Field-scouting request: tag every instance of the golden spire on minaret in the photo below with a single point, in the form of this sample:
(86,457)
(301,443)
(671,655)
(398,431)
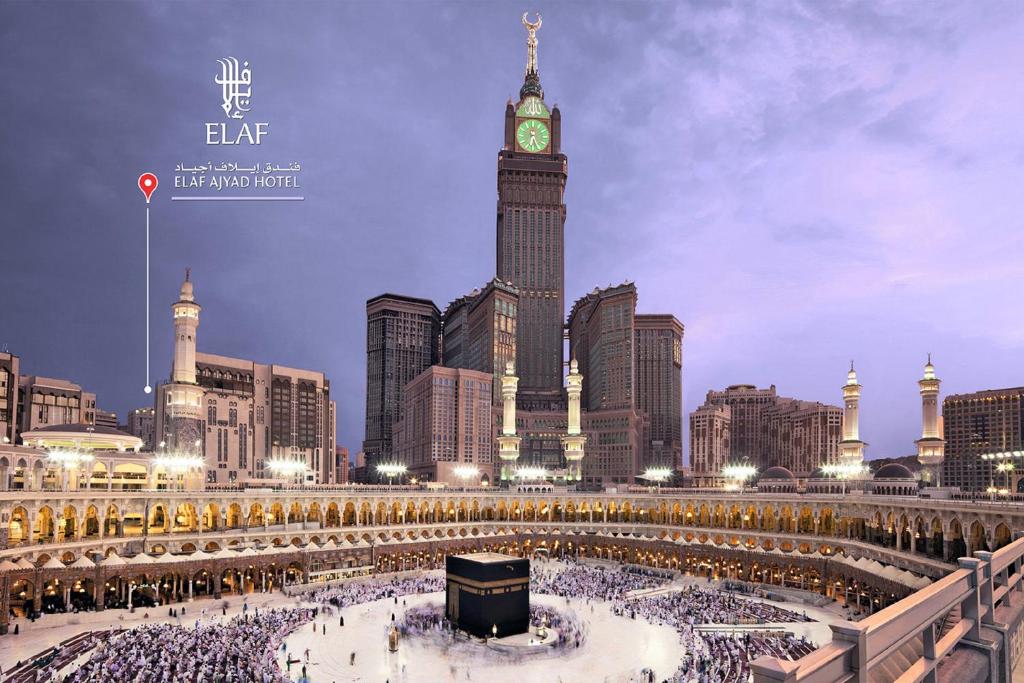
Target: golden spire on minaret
(531,43)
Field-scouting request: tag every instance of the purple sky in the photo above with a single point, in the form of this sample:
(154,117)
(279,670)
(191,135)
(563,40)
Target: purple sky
(799,183)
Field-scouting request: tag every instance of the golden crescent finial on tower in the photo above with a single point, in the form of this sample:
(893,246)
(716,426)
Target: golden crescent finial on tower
(531,42)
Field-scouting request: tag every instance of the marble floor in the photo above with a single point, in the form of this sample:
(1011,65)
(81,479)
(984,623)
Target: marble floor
(615,650)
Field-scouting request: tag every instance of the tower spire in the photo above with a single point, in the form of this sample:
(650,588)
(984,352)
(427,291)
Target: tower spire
(531,83)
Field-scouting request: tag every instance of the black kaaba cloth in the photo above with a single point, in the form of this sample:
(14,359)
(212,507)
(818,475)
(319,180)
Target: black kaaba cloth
(486,590)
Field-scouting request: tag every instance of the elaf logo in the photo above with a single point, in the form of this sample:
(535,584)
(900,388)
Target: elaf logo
(236,98)
(235,81)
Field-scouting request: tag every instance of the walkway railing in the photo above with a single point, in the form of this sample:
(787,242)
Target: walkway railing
(903,642)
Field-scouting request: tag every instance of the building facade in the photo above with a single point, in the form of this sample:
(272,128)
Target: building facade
(979,424)
(239,415)
(446,423)
(105,418)
(402,340)
(532,173)
(478,331)
(10,366)
(141,423)
(658,363)
(801,435)
(710,442)
(341,465)
(764,430)
(46,401)
(601,336)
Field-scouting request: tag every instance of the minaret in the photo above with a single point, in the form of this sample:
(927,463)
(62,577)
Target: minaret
(851,448)
(508,442)
(179,403)
(574,440)
(931,447)
(186,322)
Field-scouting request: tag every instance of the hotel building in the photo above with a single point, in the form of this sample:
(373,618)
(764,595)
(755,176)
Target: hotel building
(240,415)
(977,424)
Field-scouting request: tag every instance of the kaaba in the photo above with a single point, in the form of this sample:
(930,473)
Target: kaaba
(487,590)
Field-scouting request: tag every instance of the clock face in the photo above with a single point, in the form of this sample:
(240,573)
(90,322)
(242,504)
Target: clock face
(533,135)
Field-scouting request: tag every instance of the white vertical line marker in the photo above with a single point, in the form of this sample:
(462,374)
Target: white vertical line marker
(149,388)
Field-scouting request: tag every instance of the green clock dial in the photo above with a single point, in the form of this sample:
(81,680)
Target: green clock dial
(533,135)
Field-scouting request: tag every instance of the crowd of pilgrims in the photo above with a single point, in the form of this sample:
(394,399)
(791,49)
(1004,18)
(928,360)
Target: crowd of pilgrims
(371,591)
(710,656)
(240,650)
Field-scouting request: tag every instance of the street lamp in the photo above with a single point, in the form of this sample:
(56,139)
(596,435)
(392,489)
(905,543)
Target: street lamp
(287,467)
(531,473)
(466,472)
(657,474)
(1006,468)
(69,461)
(178,466)
(391,470)
(739,474)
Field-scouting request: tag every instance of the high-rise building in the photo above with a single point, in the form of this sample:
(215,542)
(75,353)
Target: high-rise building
(9,381)
(658,348)
(341,465)
(242,416)
(765,430)
(710,444)
(478,331)
(446,424)
(747,403)
(983,423)
(614,446)
(532,172)
(601,336)
(519,316)
(801,435)
(141,422)
(402,340)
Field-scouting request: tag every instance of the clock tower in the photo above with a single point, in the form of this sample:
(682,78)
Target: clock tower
(531,233)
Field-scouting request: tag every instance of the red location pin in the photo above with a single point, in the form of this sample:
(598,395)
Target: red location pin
(147,183)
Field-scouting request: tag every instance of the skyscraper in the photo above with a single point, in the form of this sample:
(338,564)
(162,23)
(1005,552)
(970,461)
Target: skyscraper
(982,423)
(402,340)
(658,349)
(601,339)
(532,173)
(478,331)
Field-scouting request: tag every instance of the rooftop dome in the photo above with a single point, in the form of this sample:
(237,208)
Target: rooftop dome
(82,429)
(777,472)
(894,470)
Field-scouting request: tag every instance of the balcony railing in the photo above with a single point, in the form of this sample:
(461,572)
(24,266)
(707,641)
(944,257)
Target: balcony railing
(905,642)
